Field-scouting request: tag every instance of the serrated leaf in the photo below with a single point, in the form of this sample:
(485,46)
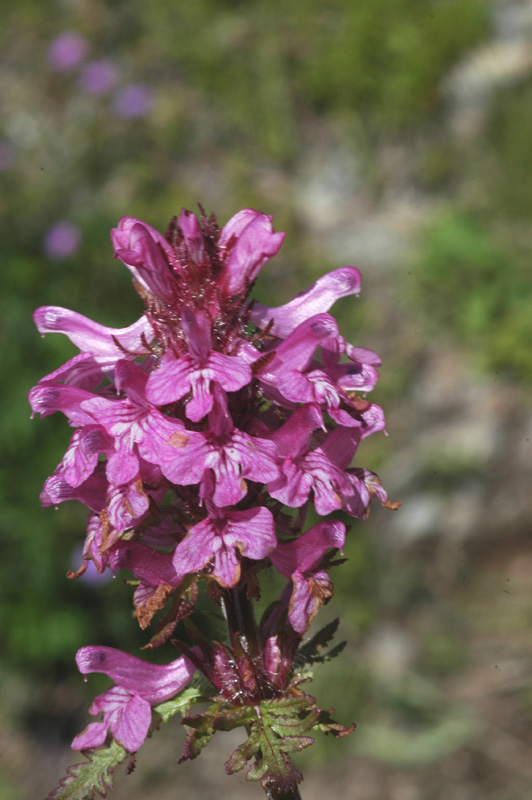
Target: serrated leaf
(326,724)
(197,738)
(181,703)
(310,652)
(277,730)
(323,659)
(82,781)
(218,717)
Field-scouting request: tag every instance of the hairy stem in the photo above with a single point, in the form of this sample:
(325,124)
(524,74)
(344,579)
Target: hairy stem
(283,794)
(240,618)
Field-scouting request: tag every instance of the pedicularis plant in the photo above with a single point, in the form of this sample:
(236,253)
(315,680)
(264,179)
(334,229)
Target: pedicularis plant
(202,434)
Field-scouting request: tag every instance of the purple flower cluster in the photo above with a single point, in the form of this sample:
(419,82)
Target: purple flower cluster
(67,53)
(202,435)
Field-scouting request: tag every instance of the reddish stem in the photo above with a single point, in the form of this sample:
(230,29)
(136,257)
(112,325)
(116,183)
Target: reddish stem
(282,794)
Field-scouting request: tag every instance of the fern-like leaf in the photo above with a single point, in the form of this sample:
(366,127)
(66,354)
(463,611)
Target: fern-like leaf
(276,731)
(311,651)
(181,703)
(84,780)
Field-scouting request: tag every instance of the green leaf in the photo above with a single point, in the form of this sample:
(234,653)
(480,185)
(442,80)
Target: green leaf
(276,731)
(276,728)
(326,724)
(310,653)
(181,703)
(82,781)
(218,717)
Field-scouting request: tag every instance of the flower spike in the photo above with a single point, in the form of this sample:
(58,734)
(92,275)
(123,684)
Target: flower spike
(197,432)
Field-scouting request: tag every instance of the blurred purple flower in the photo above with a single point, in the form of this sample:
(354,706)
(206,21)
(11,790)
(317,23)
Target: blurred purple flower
(7,155)
(91,576)
(98,77)
(133,100)
(62,240)
(66,51)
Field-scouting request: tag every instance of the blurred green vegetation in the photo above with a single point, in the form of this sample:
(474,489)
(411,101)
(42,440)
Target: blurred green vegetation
(474,281)
(242,90)
(236,87)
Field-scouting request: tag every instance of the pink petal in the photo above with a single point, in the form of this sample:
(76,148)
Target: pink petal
(196,549)
(91,492)
(288,436)
(201,402)
(297,351)
(306,599)
(293,487)
(121,235)
(237,223)
(302,606)
(47,398)
(193,234)
(306,552)
(92,548)
(197,329)
(316,300)
(146,564)
(226,566)
(81,457)
(82,371)
(230,484)
(251,531)
(362,355)
(91,337)
(231,372)
(354,377)
(122,465)
(181,454)
(373,420)
(340,446)
(328,481)
(364,486)
(147,255)
(170,381)
(255,244)
(129,720)
(131,379)
(94,735)
(126,505)
(258,456)
(154,682)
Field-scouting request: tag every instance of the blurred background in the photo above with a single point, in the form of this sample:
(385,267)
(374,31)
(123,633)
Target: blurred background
(392,135)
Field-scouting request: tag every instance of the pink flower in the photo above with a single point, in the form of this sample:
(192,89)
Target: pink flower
(321,470)
(249,241)
(127,706)
(300,560)
(195,430)
(316,300)
(105,346)
(148,255)
(220,537)
(186,456)
(128,422)
(209,396)
(196,370)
